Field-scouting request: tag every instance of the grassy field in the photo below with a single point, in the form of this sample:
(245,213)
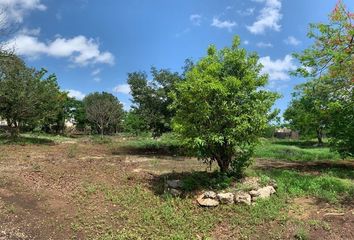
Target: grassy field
(88,188)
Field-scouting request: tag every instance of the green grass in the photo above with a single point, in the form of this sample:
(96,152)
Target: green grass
(167,144)
(293,150)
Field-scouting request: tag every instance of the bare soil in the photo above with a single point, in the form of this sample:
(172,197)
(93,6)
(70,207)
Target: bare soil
(40,188)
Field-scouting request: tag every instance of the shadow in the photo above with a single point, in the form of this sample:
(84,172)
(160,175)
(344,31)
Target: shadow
(164,152)
(340,169)
(300,144)
(25,140)
(191,182)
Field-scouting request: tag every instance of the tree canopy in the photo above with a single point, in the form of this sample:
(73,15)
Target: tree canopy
(222,107)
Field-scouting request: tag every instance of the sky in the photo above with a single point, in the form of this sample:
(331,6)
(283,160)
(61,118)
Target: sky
(92,45)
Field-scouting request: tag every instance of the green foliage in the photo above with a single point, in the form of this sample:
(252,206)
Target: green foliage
(134,123)
(151,98)
(293,151)
(27,98)
(220,107)
(329,65)
(104,111)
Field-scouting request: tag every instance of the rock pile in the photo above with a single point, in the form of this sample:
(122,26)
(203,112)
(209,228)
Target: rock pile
(212,199)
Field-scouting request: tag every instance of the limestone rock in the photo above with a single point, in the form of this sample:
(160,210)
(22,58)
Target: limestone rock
(207,202)
(174,183)
(175,192)
(264,192)
(243,198)
(210,194)
(226,198)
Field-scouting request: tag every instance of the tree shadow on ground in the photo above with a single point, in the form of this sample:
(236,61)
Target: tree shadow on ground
(192,182)
(300,144)
(149,151)
(21,140)
(340,169)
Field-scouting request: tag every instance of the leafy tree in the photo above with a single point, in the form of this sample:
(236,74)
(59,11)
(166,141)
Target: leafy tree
(329,65)
(26,97)
(151,98)
(306,112)
(104,110)
(133,123)
(222,108)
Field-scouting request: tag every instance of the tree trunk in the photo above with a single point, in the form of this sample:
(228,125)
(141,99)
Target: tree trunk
(319,136)
(223,163)
(101,132)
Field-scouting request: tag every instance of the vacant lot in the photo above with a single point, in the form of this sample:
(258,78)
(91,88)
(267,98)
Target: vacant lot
(82,188)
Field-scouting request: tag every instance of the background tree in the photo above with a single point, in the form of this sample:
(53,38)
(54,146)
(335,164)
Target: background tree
(133,123)
(151,98)
(103,109)
(307,113)
(221,108)
(329,64)
(26,97)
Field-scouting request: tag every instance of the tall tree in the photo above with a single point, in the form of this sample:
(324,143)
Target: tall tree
(329,64)
(25,95)
(221,108)
(151,98)
(103,109)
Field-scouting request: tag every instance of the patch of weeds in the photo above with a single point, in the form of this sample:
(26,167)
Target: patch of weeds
(328,188)
(205,180)
(72,151)
(11,209)
(36,167)
(101,140)
(301,234)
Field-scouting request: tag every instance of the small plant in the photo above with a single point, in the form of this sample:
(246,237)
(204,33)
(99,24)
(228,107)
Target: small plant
(72,151)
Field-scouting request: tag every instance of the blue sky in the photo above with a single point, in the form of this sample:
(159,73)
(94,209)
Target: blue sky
(91,45)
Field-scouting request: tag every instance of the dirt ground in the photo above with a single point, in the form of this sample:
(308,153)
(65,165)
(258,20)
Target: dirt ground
(40,185)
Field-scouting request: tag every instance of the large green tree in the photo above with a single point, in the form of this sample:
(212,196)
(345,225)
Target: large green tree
(151,98)
(329,64)
(222,107)
(26,96)
(103,110)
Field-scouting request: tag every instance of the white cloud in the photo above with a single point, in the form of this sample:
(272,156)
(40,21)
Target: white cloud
(277,69)
(269,17)
(33,32)
(122,88)
(75,94)
(15,10)
(80,50)
(196,19)
(95,72)
(223,24)
(246,42)
(246,12)
(97,79)
(264,45)
(292,41)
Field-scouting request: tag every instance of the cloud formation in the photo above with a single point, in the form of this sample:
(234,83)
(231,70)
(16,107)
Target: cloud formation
(75,94)
(80,50)
(268,17)
(196,19)
(122,88)
(264,45)
(292,41)
(277,69)
(223,24)
(16,10)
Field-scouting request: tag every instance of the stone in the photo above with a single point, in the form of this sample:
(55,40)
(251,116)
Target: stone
(226,198)
(207,202)
(243,198)
(210,194)
(174,183)
(273,183)
(264,192)
(175,192)
(251,182)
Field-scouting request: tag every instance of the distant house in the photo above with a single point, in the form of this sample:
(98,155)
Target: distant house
(286,133)
(3,122)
